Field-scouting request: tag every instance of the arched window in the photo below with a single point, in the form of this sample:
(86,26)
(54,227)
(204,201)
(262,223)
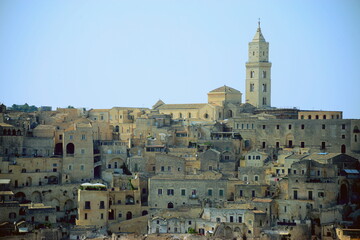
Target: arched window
(206,115)
(230,114)
(309,117)
(128,215)
(189,115)
(356,130)
(70,148)
(180,115)
(324,117)
(129,200)
(117,129)
(343,148)
(264,101)
(264,74)
(170,205)
(317,116)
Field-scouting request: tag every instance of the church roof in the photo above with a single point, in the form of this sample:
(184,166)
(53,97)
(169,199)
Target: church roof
(182,106)
(158,104)
(258,35)
(224,89)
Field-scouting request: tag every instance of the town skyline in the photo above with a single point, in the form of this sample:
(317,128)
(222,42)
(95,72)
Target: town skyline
(97,55)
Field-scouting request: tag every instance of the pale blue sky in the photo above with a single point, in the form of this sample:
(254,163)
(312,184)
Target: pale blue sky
(100,54)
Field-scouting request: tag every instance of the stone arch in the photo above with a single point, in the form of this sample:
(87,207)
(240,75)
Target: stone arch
(356,129)
(58,149)
(20,196)
(70,148)
(129,200)
(36,197)
(68,205)
(55,203)
(53,180)
(170,205)
(228,232)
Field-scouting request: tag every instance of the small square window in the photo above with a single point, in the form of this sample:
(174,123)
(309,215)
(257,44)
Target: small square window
(343,136)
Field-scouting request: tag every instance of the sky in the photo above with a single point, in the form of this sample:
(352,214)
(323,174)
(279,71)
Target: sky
(102,54)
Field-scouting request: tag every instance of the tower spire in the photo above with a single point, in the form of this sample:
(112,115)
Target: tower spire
(259,23)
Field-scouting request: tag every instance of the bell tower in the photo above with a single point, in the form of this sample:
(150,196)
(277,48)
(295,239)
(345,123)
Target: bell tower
(258,72)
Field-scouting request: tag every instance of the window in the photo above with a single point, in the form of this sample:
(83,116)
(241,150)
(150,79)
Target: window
(277,144)
(87,205)
(82,167)
(180,115)
(159,191)
(251,87)
(264,101)
(302,117)
(82,151)
(102,205)
(221,192)
(302,126)
(231,218)
(317,116)
(70,167)
(295,194)
(343,136)
(252,74)
(321,194)
(249,157)
(102,216)
(60,137)
(85,216)
(323,126)
(342,126)
(170,192)
(169,168)
(240,219)
(309,117)
(278,127)
(83,137)
(256,178)
(189,115)
(241,193)
(162,168)
(263,126)
(264,75)
(210,192)
(71,137)
(189,222)
(302,144)
(290,126)
(263,144)
(322,145)
(264,87)
(310,195)
(245,178)
(183,192)
(324,117)
(253,193)
(210,168)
